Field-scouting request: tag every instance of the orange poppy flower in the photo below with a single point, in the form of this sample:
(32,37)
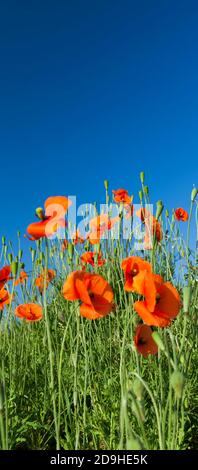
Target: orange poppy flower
(99,225)
(144,342)
(62,201)
(37,230)
(40,280)
(4,275)
(44,228)
(5,298)
(181,214)
(92,290)
(29,312)
(121,195)
(162,302)
(135,270)
(152,227)
(21,279)
(92,258)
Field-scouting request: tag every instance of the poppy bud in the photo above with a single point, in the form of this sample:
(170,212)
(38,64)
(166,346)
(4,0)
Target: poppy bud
(18,234)
(106,184)
(186,298)
(3,240)
(146,190)
(160,207)
(10,257)
(177,381)
(166,213)
(194,194)
(158,340)
(140,195)
(14,268)
(138,389)
(39,213)
(142,177)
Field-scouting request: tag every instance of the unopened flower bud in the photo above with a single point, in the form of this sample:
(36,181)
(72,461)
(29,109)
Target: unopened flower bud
(39,213)
(142,177)
(177,382)
(160,207)
(140,195)
(194,194)
(14,268)
(106,184)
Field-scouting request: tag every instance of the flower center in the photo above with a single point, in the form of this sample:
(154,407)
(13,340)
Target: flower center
(141,342)
(157,298)
(134,271)
(91,294)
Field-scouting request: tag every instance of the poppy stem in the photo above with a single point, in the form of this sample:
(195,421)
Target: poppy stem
(51,353)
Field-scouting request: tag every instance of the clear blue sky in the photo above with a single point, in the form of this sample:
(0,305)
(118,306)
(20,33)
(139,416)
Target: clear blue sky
(91,90)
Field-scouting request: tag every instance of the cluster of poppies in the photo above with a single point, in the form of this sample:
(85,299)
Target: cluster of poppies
(159,301)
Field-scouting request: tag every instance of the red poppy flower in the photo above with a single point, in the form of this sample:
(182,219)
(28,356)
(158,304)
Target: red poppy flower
(144,342)
(21,279)
(92,290)
(40,280)
(99,225)
(152,227)
(4,275)
(62,201)
(44,228)
(121,195)
(135,270)
(181,214)
(162,302)
(5,298)
(93,258)
(30,312)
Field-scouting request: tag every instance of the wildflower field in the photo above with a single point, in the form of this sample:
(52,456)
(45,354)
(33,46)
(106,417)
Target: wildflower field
(98,333)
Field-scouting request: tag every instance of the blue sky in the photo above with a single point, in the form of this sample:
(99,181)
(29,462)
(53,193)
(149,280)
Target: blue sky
(94,90)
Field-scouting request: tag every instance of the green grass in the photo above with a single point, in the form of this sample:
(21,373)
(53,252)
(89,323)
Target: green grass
(71,383)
